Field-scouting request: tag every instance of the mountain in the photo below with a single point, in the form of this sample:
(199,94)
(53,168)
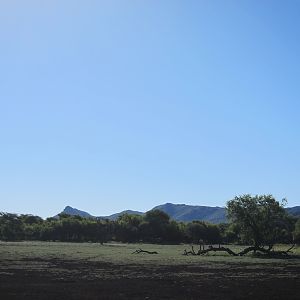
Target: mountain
(178,212)
(294,211)
(183,212)
(215,215)
(76,212)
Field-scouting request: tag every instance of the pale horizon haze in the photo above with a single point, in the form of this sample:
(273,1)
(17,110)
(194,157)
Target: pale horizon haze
(114,105)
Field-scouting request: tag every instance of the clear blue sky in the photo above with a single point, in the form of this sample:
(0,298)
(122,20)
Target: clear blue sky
(112,105)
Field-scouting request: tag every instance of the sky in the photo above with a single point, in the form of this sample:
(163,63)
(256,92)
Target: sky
(113,105)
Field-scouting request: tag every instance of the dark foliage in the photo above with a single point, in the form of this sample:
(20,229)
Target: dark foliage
(261,220)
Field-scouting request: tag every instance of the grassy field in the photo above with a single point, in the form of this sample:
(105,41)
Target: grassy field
(49,270)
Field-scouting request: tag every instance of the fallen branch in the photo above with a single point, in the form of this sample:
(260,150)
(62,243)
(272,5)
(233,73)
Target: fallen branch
(144,251)
(214,249)
(283,252)
(267,252)
(289,250)
(255,249)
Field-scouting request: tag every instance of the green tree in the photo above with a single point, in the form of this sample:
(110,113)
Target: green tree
(156,225)
(174,232)
(11,227)
(230,233)
(296,232)
(262,220)
(127,229)
(197,230)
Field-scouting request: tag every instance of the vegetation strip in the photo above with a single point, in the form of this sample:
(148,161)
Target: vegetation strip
(259,221)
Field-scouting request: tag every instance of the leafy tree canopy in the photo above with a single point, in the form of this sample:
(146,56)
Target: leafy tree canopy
(297,232)
(262,220)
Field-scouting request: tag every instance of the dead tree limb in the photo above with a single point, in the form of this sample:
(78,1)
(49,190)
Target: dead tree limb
(283,252)
(220,249)
(267,252)
(144,251)
(289,250)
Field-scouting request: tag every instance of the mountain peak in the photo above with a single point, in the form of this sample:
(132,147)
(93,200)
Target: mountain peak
(76,212)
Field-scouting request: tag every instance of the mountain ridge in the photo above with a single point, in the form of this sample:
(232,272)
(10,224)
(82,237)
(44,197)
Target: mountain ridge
(177,212)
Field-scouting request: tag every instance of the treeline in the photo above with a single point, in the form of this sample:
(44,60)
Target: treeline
(153,227)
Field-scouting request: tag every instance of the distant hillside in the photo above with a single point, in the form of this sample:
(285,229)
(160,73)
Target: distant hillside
(294,211)
(178,212)
(76,212)
(183,212)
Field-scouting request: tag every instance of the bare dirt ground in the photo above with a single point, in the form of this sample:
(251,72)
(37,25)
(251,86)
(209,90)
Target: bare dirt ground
(41,278)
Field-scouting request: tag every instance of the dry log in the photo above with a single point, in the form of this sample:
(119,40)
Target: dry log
(144,251)
(267,252)
(219,249)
